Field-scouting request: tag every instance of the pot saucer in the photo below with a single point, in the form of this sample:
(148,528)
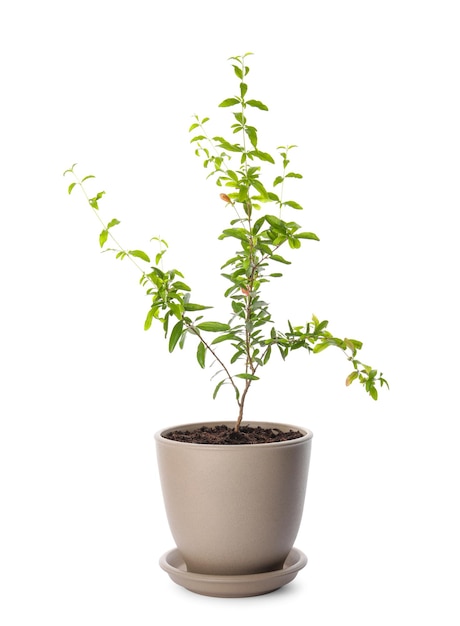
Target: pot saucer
(232,586)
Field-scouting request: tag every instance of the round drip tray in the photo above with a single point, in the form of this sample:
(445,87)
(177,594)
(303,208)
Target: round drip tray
(232,586)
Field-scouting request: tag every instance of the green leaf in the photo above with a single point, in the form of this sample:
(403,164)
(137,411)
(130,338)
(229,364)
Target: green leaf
(182,339)
(175,309)
(140,255)
(180,285)
(193,126)
(276,223)
(70,171)
(189,306)
(213,327)
(260,188)
(263,156)
(231,289)
(351,377)
(71,186)
(320,326)
(159,273)
(201,354)
(223,143)
(292,175)
(238,72)
(229,102)
(236,356)
(175,335)
(243,89)
(357,344)
(238,306)
(320,347)
(227,337)
(293,205)
(383,382)
(350,345)
(159,256)
(230,261)
(252,134)
(293,243)
(278,180)
(257,104)
(238,233)
(247,376)
(149,319)
(267,355)
(87,178)
(162,241)
(103,237)
(306,236)
(166,323)
(374,393)
(280,259)
(113,222)
(233,175)
(217,388)
(94,201)
(258,224)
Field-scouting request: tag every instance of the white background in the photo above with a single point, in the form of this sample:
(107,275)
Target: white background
(369,91)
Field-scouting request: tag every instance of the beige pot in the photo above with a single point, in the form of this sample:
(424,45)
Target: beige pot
(234,509)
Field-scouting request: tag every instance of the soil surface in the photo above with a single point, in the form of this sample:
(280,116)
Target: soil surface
(224,435)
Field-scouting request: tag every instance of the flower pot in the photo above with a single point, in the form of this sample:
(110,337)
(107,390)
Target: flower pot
(234,510)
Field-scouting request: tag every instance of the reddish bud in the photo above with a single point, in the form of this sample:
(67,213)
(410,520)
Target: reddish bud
(224,197)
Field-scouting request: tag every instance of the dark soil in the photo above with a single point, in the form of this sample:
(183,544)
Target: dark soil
(224,435)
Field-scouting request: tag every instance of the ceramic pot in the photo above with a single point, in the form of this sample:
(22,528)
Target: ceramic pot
(234,509)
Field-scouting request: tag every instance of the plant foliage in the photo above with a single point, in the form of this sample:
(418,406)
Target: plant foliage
(261,238)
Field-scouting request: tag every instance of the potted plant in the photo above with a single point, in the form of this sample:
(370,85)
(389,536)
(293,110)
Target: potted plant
(234,492)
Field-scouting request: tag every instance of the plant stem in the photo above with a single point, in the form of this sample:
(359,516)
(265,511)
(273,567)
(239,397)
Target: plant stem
(96,212)
(249,366)
(192,329)
(188,324)
(241,405)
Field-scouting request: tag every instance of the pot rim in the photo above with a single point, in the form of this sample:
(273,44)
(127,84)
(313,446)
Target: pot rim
(215,446)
